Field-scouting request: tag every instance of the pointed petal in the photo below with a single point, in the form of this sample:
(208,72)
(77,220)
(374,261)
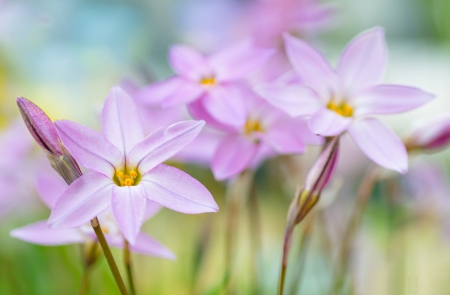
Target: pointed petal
(40,233)
(380,144)
(128,205)
(311,66)
(234,155)
(363,61)
(162,144)
(50,187)
(90,148)
(149,246)
(237,61)
(296,100)
(328,123)
(226,104)
(121,124)
(390,99)
(197,111)
(177,191)
(187,61)
(84,199)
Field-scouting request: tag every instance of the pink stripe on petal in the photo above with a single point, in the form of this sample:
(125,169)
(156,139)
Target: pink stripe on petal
(328,123)
(295,100)
(237,61)
(149,246)
(226,104)
(380,144)
(40,233)
(177,191)
(128,205)
(84,199)
(312,67)
(90,148)
(363,61)
(188,62)
(121,124)
(390,99)
(162,144)
(234,154)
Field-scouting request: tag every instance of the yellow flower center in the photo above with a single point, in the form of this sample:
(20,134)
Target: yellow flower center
(342,108)
(129,178)
(208,81)
(252,126)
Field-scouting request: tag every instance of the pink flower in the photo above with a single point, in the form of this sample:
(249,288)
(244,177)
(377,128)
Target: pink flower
(340,100)
(50,187)
(430,133)
(127,170)
(266,132)
(213,82)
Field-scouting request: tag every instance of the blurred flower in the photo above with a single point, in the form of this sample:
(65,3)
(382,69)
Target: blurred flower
(212,83)
(429,133)
(340,100)
(50,187)
(127,169)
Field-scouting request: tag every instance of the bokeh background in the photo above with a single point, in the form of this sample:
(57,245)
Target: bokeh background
(65,56)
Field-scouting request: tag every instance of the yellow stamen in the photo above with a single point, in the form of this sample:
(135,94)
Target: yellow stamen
(129,182)
(208,81)
(119,174)
(126,179)
(342,108)
(253,126)
(132,174)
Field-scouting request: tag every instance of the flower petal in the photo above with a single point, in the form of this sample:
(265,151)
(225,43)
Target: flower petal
(151,209)
(149,246)
(226,104)
(390,99)
(237,61)
(162,144)
(380,144)
(177,191)
(50,187)
(363,61)
(121,124)
(128,205)
(84,199)
(197,111)
(187,61)
(40,233)
(234,154)
(328,123)
(311,66)
(90,148)
(296,100)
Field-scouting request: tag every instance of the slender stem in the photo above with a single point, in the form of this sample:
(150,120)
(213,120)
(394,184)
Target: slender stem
(108,255)
(89,258)
(255,233)
(286,246)
(362,199)
(127,262)
(85,281)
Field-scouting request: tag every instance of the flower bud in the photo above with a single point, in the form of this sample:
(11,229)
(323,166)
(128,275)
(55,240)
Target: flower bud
(429,133)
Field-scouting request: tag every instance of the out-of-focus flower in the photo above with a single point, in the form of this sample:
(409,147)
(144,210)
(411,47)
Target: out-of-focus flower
(268,19)
(266,132)
(50,187)
(340,100)
(429,133)
(213,82)
(127,170)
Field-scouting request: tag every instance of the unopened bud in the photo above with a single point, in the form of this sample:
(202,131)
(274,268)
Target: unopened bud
(429,134)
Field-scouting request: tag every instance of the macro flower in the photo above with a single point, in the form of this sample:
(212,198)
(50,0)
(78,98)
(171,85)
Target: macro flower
(431,133)
(212,83)
(341,99)
(127,170)
(266,132)
(49,188)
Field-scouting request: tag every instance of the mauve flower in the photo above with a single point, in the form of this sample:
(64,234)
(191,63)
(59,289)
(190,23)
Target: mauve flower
(49,188)
(266,132)
(127,170)
(341,99)
(213,82)
(429,133)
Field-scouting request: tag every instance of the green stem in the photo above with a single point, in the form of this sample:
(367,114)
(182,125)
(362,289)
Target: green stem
(85,281)
(127,262)
(108,255)
(255,234)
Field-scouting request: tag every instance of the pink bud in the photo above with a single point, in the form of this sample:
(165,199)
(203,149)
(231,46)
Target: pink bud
(430,133)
